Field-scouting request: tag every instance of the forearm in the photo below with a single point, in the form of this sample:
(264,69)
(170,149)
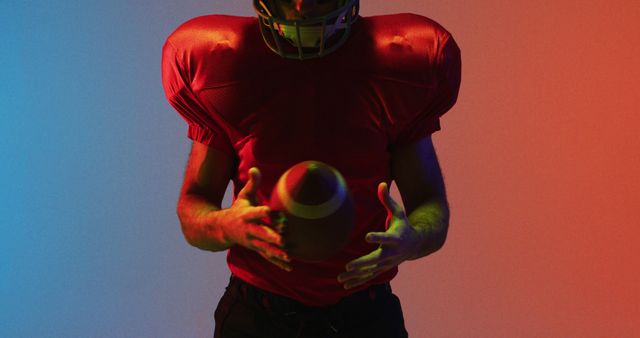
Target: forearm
(198,218)
(431,220)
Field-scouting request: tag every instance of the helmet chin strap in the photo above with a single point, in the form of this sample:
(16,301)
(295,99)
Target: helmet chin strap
(266,9)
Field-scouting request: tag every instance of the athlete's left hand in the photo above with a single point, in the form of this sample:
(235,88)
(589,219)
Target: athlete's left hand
(400,242)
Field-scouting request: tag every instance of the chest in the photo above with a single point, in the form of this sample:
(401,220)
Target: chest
(278,118)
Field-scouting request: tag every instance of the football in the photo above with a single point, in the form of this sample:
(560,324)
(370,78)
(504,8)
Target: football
(315,205)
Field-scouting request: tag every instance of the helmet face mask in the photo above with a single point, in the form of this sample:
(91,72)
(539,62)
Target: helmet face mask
(306,38)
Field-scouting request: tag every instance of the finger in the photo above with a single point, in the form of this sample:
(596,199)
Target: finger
(369,275)
(284,265)
(368,259)
(385,198)
(265,234)
(269,251)
(351,279)
(366,271)
(365,274)
(356,274)
(249,190)
(361,267)
(382,238)
(359,281)
(257,213)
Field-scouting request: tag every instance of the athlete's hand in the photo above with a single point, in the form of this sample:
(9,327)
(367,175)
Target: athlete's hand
(241,224)
(399,243)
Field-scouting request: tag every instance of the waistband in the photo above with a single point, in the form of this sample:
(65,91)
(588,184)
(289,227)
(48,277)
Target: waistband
(285,306)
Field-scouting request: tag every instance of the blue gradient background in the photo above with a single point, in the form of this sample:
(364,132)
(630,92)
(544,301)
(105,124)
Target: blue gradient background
(92,158)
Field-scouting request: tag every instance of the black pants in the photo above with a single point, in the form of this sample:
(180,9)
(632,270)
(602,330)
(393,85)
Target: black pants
(245,311)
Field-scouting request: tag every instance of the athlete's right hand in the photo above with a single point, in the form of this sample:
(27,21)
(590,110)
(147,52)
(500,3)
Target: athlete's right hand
(241,225)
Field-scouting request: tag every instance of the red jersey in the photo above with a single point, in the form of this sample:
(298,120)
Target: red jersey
(388,85)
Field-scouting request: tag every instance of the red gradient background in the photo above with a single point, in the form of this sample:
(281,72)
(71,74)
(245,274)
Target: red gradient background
(541,157)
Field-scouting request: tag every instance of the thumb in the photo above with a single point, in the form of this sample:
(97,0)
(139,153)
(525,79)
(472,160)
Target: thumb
(381,238)
(248,192)
(385,198)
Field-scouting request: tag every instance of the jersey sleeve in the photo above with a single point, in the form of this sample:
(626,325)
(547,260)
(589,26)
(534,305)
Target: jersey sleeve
(201,126)
(448,73)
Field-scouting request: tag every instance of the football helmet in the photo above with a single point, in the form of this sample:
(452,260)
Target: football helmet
(306,38)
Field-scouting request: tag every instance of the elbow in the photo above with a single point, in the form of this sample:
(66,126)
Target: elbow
(191,237)
(436,243)
(439,235)
(442,238)
(196,223)
(186,232)
(188,235)
(444,229)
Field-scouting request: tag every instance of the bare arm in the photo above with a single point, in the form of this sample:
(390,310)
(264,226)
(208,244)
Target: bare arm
(417,173)
(206,178)
(208,227)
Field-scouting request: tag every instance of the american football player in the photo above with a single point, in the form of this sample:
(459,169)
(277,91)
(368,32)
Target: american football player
(312,80)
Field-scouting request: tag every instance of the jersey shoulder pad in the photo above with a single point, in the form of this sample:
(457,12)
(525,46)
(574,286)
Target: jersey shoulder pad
(408,35)
(210,32)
